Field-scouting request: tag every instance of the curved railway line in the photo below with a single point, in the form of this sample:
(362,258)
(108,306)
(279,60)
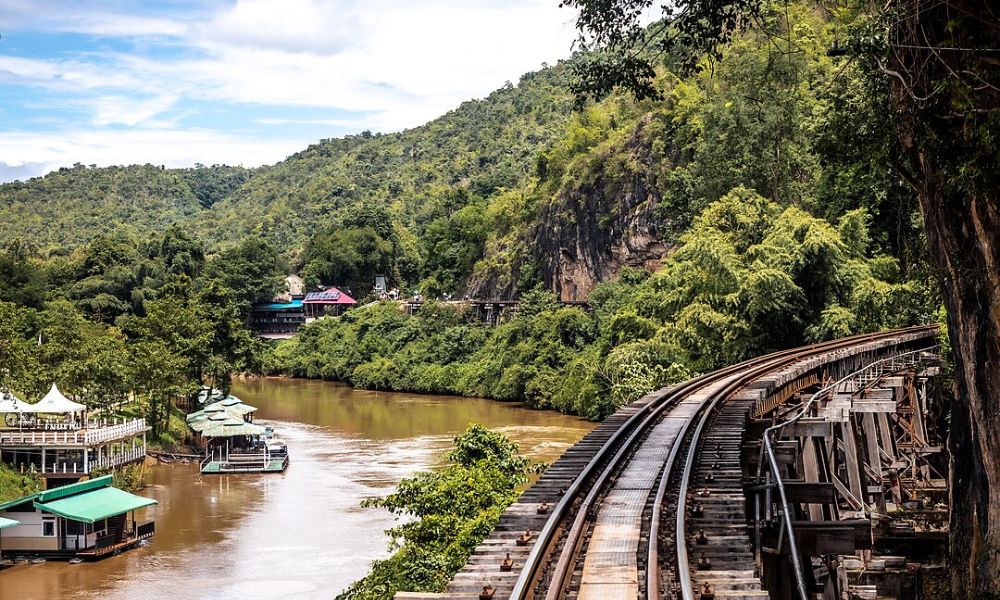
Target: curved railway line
(651,504)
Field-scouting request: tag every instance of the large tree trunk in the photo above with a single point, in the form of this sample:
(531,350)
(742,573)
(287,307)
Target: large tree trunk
(963,235)
(946,90)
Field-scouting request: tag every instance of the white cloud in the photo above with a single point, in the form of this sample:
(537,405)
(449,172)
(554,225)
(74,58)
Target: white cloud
(123,110)
(395,63)
(312,26)
(89,18)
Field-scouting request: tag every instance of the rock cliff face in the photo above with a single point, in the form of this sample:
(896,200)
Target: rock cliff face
(604,217)
(606,213)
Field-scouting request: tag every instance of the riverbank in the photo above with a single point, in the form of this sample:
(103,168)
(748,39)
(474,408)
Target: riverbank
(300,535)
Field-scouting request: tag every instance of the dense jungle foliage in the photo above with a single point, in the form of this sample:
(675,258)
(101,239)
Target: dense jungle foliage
(748,277)
(446,513)
(128,324)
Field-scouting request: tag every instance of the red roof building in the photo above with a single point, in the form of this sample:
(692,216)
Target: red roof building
(329,302)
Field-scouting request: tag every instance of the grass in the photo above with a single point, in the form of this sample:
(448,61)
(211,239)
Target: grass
(15,485)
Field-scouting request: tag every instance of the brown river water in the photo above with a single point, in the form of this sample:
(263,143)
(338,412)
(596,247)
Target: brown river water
(300,534)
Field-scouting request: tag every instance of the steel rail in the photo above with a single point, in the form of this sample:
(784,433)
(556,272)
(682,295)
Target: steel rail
(707,411)
(630,431)
(770,361)
(683,565)
(776,471)
(563,567)
(533,563)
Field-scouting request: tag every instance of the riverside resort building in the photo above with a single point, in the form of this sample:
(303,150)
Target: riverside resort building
(60,440)
(286,313)
(88,519)
(77,514)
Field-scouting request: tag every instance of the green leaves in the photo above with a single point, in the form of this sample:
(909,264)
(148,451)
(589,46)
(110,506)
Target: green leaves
(447,513)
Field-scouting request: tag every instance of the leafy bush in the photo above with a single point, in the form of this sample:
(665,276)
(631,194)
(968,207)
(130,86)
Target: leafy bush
(748,277)
(446,513)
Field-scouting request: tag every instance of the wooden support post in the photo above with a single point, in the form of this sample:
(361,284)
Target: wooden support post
(810,472)
(871,441)
(852,463)
(885,436)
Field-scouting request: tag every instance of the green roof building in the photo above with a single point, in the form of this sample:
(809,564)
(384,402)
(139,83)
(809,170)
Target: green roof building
(89,519)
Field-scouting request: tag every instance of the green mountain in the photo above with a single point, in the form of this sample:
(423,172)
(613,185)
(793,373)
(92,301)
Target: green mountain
(518,189)
(74,205)
(480,147)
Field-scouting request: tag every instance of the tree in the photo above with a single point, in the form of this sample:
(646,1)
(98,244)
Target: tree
(945,87)
(938,62)
(447,512)
(18,364)
(22,280)
(347,257)
(250,269)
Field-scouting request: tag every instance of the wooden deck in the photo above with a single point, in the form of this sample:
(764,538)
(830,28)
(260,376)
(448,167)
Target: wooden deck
(143,532)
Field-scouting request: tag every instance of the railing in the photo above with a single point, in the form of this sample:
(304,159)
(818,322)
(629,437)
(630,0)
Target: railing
(105,541)
(64,468)
(145,530)
(115,460)
(79,437)
(869,373)
(114,432)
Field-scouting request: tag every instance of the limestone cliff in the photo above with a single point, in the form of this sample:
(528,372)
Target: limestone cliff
(606,213)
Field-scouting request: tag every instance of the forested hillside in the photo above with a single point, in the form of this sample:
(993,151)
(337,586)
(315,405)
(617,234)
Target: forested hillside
(757,190)
(750,206)
(71,206)
(473,151)
(518,190)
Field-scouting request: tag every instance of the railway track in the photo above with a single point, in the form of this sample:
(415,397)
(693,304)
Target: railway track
(648,505)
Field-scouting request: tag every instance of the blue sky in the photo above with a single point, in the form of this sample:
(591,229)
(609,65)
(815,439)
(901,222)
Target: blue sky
(247,81)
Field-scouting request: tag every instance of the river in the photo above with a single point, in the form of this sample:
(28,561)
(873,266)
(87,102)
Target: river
(300,534)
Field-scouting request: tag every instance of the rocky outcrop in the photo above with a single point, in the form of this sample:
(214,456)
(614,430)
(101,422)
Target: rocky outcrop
(604,217)
(606,212)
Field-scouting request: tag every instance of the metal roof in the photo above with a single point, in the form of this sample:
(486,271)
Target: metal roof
(279,305)
(94,505)
(75,488)
(329,296)
(87,501)
(233,428)
(16,501)
(5,523)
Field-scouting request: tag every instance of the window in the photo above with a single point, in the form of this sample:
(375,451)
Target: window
(48,527)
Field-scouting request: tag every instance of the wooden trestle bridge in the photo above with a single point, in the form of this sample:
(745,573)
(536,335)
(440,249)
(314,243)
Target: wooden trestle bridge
(810,473)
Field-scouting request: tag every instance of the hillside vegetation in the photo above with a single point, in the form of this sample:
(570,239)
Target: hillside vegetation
(71,206)
(757,192)
(749,207)
(748,277)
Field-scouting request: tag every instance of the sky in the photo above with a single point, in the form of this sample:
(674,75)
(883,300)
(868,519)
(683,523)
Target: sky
(247,82)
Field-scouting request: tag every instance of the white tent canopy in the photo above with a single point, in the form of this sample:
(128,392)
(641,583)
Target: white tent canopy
(53,402)
(9,403)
